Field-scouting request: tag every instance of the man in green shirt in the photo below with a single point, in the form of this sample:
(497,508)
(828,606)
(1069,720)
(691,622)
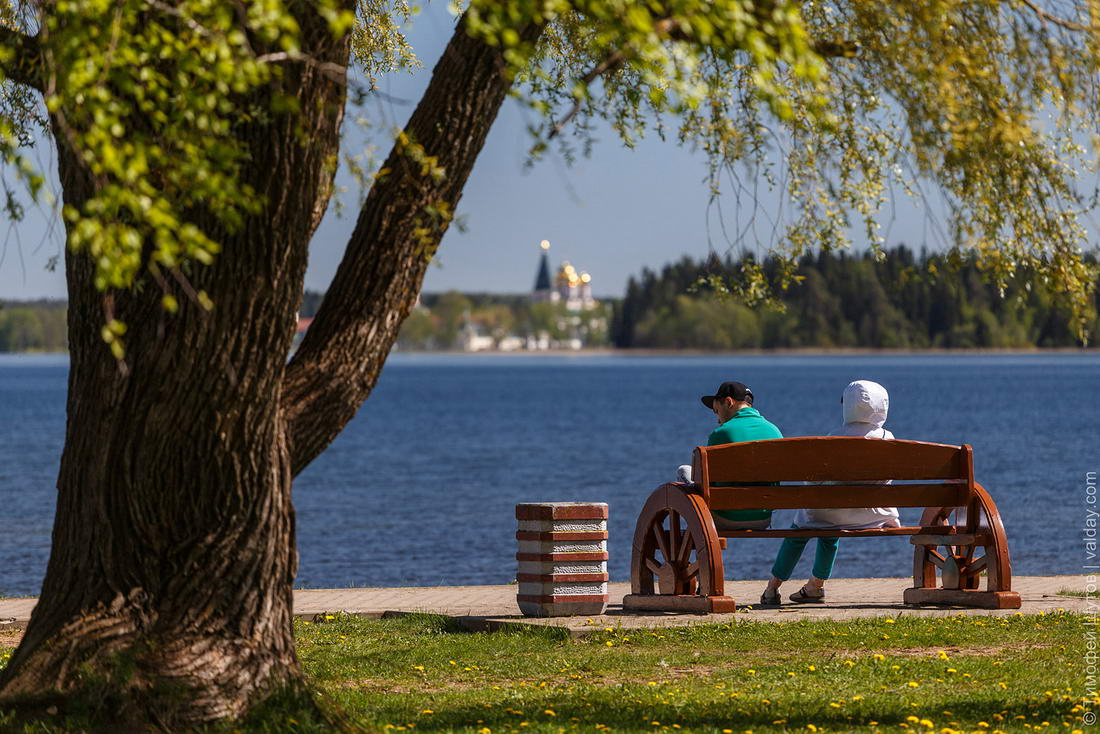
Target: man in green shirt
(737,421)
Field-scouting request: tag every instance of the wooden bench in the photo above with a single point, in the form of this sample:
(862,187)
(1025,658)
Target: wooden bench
(677,556)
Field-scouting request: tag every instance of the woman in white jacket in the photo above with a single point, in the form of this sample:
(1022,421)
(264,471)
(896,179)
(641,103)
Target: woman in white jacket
(865,405)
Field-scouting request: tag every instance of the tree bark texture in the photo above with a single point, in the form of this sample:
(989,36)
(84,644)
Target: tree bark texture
(168,590)
(169,586)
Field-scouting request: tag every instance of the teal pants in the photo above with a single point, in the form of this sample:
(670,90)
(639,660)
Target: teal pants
(791,551)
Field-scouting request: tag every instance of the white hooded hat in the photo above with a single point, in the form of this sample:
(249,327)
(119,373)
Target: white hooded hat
(865,406)
(866,402)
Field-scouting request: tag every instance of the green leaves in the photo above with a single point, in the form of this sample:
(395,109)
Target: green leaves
(831,105)
(147,94)
(112,333)
(986,100)
(378,42)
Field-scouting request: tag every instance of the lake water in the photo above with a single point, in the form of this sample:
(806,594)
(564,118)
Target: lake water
(420,488)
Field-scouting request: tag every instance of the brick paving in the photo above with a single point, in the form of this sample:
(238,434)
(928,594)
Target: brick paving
(490,607)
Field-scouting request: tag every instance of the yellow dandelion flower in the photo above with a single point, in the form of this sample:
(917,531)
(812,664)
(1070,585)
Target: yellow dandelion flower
(942,655)
(549,712)
(849,663)
(888,621)
(880,657)
(609,643)
(427,711)
(913,719)
(913,684)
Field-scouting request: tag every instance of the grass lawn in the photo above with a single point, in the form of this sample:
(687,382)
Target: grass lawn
(958,673)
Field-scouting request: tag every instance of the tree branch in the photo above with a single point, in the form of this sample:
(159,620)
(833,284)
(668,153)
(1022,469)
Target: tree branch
(1058,20)
(336,72)
(612,62)
(674,31)
(399,228)
(25,64)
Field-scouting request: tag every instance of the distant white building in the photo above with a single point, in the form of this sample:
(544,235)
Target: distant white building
(473,340)
(512,343)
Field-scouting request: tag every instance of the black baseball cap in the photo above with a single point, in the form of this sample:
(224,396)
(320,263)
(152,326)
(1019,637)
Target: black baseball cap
(737,390)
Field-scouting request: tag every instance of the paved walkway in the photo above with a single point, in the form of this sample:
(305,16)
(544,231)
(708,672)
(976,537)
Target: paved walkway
(490,607)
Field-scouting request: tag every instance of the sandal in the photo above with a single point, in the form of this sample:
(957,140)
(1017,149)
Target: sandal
(770,600)
(801,597)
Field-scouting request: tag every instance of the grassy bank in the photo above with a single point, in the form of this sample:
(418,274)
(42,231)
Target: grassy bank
(944,674)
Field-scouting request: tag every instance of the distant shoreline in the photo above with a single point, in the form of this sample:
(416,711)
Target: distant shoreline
(641,352)
(807,351)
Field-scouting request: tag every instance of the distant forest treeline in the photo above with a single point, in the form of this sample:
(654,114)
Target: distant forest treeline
(33,326)
(905,301)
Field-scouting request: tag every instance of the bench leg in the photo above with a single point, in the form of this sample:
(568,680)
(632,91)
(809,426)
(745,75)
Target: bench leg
(964,598)
(949,573)
(676,564)
(679,603)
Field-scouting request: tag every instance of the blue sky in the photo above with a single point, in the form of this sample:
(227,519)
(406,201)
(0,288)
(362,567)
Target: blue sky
(611,214)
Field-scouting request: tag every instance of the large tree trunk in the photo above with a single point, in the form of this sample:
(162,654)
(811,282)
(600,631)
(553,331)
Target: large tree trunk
(169,588)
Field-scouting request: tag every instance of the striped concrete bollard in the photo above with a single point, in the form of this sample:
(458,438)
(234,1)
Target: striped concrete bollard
(562,558)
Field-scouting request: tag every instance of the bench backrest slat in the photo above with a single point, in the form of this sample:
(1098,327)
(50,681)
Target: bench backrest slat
(813,496)
(946,473)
